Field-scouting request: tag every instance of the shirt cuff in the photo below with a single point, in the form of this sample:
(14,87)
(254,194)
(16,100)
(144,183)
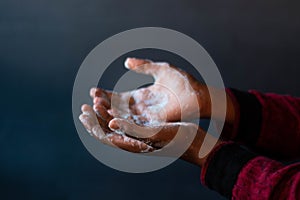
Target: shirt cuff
(248,114)
(222,167)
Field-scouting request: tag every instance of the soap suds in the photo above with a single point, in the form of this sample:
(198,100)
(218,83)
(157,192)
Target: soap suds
(151,105)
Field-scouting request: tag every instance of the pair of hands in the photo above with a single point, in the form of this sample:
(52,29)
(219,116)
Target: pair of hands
(148,119)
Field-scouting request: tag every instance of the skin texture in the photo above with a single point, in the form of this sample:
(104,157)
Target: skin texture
(97,126)
(171,84)
(137,139)
(147,123)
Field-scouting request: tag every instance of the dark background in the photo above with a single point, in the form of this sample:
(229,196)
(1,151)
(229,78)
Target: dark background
(255,44)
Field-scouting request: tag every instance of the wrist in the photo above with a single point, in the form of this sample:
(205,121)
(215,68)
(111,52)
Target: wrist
(199,151)
(230,110)
(201,161)
(204,95)
(204,101)
(205,159)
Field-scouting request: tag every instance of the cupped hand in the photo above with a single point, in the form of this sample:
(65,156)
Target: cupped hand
(97,126)
(132,137)
(174,139)
(175,95)
(148,119)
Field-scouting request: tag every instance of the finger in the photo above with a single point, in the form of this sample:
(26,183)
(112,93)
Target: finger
(102,112)
(129,144)
(99,92)
(156,136)
(101,101)
(174,135)
(115,112)
(89,119)
(90,115)
(143,66)
(132,129)
(103,121)
(85,121)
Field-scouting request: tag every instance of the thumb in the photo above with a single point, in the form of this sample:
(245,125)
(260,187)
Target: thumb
(143,66)
(133,129)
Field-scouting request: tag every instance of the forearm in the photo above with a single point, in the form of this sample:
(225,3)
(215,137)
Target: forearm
(205,95)
(239,174)
(267,123)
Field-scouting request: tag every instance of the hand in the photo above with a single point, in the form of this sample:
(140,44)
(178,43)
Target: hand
(150,110)
(174,96)
(97,126)
(174,93)
(173,138)
(134,138)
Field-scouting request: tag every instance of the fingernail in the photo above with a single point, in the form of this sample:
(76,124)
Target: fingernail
(114,125)
(92,91)
(126,63)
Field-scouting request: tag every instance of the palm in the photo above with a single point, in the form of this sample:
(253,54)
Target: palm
(172,95)
(184,136)
(97,126)
(143,116)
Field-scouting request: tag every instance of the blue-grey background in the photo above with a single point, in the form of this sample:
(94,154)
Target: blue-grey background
(255,44)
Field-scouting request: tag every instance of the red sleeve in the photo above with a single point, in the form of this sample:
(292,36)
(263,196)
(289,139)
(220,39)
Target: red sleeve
(263,178)
(267,123)
(237,173)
